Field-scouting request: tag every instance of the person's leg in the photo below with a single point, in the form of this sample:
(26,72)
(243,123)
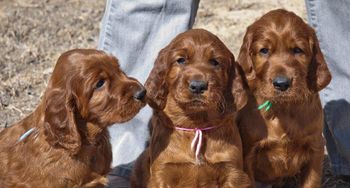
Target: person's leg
(135,31)
(332,24)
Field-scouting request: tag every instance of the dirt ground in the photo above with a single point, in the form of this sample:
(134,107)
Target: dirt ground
(33,33)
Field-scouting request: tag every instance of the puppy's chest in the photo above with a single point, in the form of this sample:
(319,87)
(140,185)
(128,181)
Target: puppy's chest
(189,175)
(183,147)
(285,149)
(281,157)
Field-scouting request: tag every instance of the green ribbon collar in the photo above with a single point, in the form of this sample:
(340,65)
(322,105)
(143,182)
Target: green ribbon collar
(267,105)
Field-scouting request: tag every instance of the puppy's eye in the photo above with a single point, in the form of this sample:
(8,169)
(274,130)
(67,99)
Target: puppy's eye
(297,50)
(264,51)
(181,60)
(100,83)
(214,62)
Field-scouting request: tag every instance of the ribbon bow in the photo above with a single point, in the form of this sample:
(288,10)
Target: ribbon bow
(197,140)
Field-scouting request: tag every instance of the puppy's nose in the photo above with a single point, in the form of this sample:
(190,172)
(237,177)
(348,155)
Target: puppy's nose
(140,94)
(281,83)
(198,86)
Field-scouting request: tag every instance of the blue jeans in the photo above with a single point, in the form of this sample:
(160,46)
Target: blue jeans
(135,31)
(331,20)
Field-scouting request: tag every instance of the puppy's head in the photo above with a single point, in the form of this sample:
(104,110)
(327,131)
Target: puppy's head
(282,59)
(198,72)
(87,86)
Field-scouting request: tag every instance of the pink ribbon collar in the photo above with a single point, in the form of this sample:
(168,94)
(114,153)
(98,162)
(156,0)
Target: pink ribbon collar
(197,140)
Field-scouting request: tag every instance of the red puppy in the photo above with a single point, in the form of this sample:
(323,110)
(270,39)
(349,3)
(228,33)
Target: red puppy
(285,70)
(195,90)
(64,142)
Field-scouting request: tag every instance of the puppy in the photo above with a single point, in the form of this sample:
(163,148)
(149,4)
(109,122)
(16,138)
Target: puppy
(65,142)
(281,126)
(195,90)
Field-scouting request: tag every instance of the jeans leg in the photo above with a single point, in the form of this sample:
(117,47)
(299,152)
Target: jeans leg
(134,31)
(332,24)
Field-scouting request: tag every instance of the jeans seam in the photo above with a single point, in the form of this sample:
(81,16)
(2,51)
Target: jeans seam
(314,21)
(107,29)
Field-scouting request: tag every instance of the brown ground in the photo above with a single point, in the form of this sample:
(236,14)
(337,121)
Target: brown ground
(34,32)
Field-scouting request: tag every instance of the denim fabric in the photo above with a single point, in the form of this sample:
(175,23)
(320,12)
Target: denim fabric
(134,31)
(331,20)
(123,170)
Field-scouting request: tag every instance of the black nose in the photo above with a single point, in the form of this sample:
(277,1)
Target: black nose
(140,94)
(198,86)
(281,83)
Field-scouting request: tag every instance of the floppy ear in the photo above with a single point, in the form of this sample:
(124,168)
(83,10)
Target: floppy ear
(244,57)
(319,74)
(60,122)
(239,93)
(156,86)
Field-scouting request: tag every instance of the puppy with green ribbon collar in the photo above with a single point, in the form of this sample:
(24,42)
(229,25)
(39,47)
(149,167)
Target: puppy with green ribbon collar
(283,64)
